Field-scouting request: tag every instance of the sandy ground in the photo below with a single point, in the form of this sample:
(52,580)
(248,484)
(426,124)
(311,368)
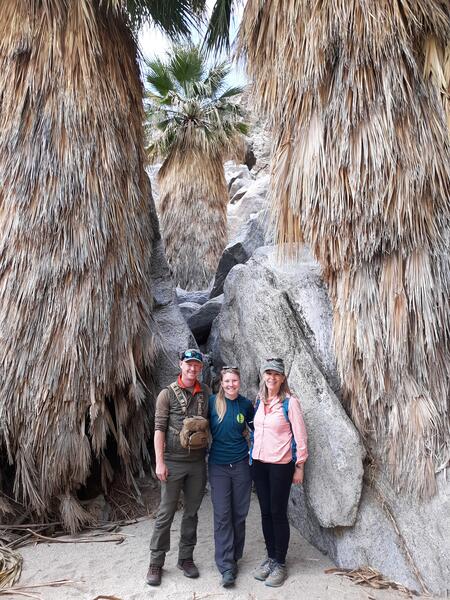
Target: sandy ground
(117,571)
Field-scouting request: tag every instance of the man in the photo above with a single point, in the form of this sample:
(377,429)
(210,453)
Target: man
(178,468)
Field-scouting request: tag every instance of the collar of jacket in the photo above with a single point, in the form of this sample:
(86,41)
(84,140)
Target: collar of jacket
(197,386)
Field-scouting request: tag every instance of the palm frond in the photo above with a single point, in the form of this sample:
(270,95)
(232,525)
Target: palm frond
(76,246)
(231,92)
(187,66)
(216,78)
(356,98)
(217,35)
(10,567)
(192,115)
(437,69)
(159,77)
(174,17)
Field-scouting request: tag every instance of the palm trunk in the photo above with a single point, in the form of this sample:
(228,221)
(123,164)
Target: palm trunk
(193,213)
(361,173)
(75,240)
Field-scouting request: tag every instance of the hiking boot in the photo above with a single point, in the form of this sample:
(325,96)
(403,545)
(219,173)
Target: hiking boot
(277,576)
(154,575)
(263,571)
(188,567)
(228,578)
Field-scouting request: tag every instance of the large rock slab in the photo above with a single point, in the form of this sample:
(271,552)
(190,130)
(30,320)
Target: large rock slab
(188,308)
(238,194)
(236,172)
(406,540)
(238,183)
(251,236)
(213,348)
(197,296)
(262,149)
(253,201)
(201,321)
(271,310)
(261,137)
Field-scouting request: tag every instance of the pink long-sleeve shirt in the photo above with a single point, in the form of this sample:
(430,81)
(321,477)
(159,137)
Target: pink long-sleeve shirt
(273,435)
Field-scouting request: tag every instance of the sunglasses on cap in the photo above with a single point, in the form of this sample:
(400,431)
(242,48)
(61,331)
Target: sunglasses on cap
(230,368)
(192,355)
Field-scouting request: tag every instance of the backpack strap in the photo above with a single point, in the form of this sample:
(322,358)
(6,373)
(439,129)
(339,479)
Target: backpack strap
(252,433)
(200,400)
(180,396)
(286,416)
(286,409)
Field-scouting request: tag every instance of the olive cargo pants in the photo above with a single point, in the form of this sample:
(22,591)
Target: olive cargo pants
(191,478)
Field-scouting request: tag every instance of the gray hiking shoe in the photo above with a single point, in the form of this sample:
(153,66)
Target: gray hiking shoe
(228,578)
(263,571)
(277,575)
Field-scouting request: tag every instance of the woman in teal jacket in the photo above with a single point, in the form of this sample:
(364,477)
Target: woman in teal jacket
(229,471)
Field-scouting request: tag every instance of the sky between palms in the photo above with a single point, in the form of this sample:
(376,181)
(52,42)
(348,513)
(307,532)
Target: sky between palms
(153,43)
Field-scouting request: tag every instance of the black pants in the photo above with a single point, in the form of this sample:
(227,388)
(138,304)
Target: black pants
(273,484)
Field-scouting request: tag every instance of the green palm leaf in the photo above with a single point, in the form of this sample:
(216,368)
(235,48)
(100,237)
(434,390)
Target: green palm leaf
(174,17)
(191,104)
(194,123)
(159,77)
(218,32)
(187,66)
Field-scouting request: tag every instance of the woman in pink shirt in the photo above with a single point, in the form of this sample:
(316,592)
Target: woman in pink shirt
(278,455)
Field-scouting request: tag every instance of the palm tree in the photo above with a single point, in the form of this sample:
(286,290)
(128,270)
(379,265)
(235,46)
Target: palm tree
(199,126)
(76,337)
(361,173)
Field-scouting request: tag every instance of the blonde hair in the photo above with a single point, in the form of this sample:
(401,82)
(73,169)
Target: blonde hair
(284,390)
(221,404)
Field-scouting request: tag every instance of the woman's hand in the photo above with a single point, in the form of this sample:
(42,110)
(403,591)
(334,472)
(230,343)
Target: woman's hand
(298,474)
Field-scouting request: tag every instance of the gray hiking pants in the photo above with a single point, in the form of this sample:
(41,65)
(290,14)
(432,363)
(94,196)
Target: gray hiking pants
(191,478)
(231,487)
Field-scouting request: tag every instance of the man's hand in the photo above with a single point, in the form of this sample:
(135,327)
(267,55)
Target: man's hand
(161,468)
(298,474)
(162,471)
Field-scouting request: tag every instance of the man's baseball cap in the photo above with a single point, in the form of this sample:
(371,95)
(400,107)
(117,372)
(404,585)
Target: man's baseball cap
(192,354)
(273,364)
